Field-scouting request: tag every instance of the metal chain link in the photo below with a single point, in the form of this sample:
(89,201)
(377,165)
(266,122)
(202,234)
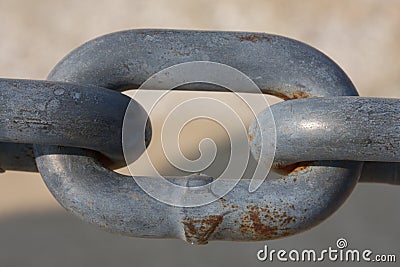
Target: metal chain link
(68,127)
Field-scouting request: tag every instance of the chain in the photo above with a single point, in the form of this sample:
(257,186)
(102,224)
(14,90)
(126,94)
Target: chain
(69,128)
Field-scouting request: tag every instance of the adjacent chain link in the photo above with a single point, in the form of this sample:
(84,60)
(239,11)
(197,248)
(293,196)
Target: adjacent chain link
(69,129)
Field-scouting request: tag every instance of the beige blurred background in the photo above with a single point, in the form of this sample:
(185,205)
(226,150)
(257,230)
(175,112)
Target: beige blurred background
(361,36)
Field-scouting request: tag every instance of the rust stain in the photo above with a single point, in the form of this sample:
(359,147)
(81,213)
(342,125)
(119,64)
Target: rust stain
(199,231)
(255,223)
(288,95)
(250,137)
(292,168)
(253,38)
(224,202)
(299,94)
(300,168)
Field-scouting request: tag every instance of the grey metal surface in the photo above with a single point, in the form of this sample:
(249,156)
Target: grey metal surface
(279,66)
(43,112)
(20,157)
(332,128)
(279,208)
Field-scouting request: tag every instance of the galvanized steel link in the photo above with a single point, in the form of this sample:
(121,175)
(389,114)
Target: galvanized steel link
(278,65)
(43,112)
(305,193)
(333,128)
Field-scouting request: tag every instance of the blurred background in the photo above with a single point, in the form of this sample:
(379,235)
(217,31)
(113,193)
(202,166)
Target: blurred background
(361,36)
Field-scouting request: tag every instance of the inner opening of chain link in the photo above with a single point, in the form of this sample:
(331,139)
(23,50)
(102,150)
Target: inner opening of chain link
(192,134)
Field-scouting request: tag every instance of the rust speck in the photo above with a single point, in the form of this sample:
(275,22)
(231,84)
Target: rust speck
(253,38)
(250,137)
(199,231)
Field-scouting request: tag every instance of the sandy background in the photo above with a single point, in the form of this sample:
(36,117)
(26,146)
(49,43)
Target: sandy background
(362,36)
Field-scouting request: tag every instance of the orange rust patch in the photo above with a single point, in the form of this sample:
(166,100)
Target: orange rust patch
(250,137)
(300,168)
(199,231)
(292,168)
(253,38)
(251,224)
(255,223)
(299,94)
